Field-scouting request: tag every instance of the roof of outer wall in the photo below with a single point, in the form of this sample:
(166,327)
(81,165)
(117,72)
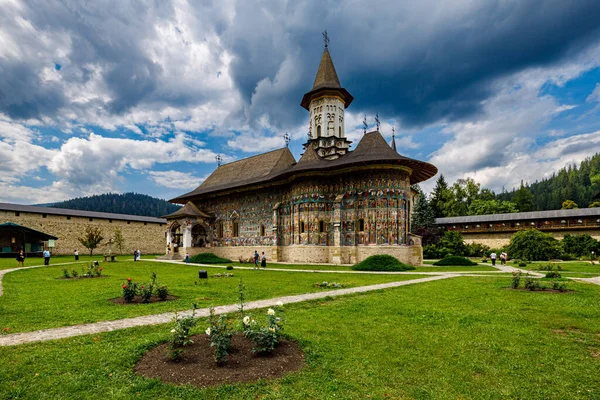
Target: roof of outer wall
(280,164)
(550,214)
(78,213)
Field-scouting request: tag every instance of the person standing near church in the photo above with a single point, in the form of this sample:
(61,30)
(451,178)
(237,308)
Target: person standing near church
(256,259)
(493,258)
(21,259)
(46,257)
(76,253)
(263,262)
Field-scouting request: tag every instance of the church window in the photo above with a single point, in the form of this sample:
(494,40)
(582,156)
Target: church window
(220,230)
(262,230)
(302,227)
(17,213)
(319,131)
(43,215)
(360,225)
(340,131)
(236,228)
(321,226)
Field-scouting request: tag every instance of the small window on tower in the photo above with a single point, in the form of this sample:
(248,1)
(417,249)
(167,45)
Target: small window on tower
(236,229)
(262,230)
(340,131)
(301,226)
(220,230)
(319,131)
(321,226)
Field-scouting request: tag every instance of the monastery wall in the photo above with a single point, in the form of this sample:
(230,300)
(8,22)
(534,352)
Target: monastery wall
(148,237)
(500,239)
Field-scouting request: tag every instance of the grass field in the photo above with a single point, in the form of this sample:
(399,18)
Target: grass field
(459,338)
(38,298)
(7,263)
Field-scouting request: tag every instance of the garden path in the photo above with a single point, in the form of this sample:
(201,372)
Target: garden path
(107,326)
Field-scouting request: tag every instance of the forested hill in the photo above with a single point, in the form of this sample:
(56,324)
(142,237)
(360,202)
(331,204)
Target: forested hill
(579,184)
(126,203)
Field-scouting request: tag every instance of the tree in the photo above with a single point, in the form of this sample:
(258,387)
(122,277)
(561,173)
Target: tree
(91,239)
(483,207)
(523,199)
(439,196)
(580,245)
(423,220)
(453,241)
(119,240)
(594,204)
(534,245)
(569,205)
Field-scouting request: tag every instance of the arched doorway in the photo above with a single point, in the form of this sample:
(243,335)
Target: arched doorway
(176,237)
(199,236)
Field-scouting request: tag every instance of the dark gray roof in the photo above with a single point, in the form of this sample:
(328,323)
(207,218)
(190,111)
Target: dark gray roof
(279,165)
(79,213)
(38,235)
(189,210)
(537,215)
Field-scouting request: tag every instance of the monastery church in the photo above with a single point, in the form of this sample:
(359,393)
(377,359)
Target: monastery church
(333,205)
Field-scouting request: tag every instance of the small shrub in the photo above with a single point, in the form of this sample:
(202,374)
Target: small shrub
(265,337)
(229,267)
(180,334)
(330,285)
(516,279)
(381,262)
(531,283)
(553,274)
(162,292)
(455,260)
(208,258)
(129,291)
(74,273)
(522,264)
(558,285)
(220,334)
(66,274)
(484,260)
(145,293)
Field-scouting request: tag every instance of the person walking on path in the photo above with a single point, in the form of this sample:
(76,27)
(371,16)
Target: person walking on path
(255,259)
(21,259)
(135,255)
(76,255)
(187,258)
(503,257)
(263,262)
(46,257)
(493,258)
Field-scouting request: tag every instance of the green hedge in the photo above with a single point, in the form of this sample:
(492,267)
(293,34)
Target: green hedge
(455,260)
(381,262)
(208,258)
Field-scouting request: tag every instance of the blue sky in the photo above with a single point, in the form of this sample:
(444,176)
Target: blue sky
(139,96)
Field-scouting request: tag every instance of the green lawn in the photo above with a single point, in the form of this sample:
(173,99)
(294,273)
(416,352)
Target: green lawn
(331,267)
(38,298)
(458,338)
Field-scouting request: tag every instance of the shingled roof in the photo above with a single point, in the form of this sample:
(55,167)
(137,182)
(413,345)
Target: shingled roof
(279,164)
(189,210)
(326,80)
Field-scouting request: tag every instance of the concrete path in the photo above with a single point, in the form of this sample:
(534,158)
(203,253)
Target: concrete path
(107,326)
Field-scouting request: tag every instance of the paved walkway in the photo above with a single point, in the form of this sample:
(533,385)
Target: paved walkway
(107,326)
(6,271)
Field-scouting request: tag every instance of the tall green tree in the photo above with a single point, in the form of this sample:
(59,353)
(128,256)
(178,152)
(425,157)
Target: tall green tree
(91,238)
(534,245)
(484,207)
(119,240)
(439,196)
(423,219)
(523,199)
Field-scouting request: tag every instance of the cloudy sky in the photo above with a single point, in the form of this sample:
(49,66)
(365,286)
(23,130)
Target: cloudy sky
(141,96)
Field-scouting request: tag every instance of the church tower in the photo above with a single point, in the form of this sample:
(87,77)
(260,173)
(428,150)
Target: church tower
(326,103)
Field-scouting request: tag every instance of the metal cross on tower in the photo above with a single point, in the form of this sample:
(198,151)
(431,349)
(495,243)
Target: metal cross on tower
(377,121)
(325,38)
(286,138)
(393,132)
(365,124)
(218,159)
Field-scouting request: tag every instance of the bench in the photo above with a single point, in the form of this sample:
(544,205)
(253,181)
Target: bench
(112,258)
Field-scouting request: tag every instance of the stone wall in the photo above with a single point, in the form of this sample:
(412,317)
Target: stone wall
(148,237)
(500,239)
(315,254)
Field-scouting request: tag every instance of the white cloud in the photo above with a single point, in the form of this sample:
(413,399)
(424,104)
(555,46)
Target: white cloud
(175,179)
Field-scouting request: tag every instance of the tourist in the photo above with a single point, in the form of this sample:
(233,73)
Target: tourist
(139,255)
(263,262)
(135,255)
(168,248)
(503,258)
(187,258)
(21,259)
(493,258)
(76,255)
(255,259)
(46,257)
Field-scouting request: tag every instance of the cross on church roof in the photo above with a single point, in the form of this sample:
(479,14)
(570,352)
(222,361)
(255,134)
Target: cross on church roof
(365,124)
(393,132)
(218,159)
(326,38)
(286,138)
(377,121)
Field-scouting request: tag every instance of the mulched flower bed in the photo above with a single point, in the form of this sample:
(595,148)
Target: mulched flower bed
(197,367)
(138,300)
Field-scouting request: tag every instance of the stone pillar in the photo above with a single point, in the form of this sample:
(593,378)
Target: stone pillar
(275,233)
(168,237)
(187,236)
(336,251)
